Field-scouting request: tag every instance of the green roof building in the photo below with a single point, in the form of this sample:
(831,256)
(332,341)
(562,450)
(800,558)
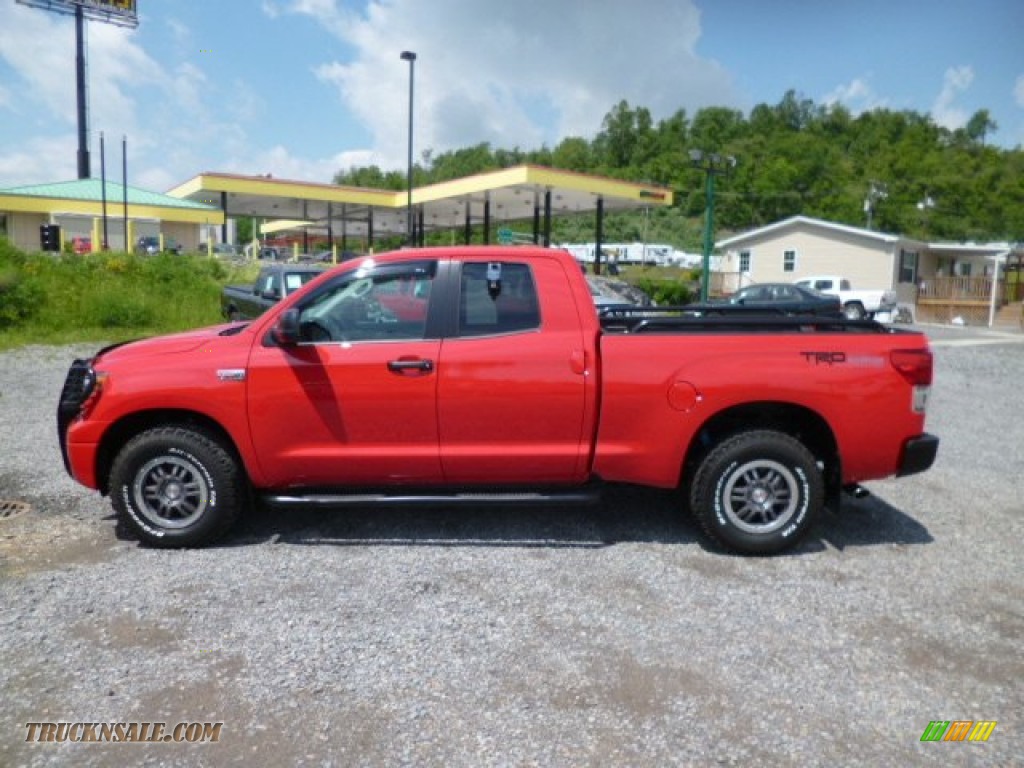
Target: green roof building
(77,208)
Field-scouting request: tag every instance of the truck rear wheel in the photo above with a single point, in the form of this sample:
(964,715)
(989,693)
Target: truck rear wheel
(758,492)
(854,311)
(176,487)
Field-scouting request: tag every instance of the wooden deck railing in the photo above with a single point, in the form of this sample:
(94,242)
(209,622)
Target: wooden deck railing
(954,289)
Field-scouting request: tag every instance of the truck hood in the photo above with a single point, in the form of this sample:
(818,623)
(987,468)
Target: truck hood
(171,344)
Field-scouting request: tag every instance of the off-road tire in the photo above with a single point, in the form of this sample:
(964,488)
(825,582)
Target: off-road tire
(176,487)
(758,493)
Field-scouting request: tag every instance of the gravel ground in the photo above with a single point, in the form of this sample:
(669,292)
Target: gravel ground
(554,637)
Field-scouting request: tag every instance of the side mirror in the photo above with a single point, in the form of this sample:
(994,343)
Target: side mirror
(286,330)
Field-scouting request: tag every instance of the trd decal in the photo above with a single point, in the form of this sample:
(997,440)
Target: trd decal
(824,358)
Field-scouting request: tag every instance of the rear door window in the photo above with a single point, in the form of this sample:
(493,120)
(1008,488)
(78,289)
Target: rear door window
(508,305)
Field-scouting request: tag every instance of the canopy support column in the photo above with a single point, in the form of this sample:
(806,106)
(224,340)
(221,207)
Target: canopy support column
(547,217)
(487,220)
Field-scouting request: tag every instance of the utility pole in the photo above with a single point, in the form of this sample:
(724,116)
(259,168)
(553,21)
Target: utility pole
(713,165)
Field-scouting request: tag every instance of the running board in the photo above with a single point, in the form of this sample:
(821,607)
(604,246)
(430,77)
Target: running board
(585,495)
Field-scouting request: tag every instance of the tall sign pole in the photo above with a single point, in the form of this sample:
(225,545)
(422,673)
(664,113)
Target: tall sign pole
(120,12)
(124,188)
(409,56)
(83,116)
(103,191)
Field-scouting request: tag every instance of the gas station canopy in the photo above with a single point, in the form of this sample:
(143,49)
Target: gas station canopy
(520,193)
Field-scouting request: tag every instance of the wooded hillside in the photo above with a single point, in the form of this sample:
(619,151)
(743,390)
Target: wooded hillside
(795,157)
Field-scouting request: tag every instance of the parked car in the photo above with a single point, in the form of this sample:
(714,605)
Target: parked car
(274,282)
(856,304)
(220,249)
(150,244)
(327,257)
(781,298)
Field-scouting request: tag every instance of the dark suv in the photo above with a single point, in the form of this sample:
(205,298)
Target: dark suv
(150,244)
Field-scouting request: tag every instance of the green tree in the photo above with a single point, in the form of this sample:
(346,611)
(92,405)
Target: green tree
(980,125)
(795,157)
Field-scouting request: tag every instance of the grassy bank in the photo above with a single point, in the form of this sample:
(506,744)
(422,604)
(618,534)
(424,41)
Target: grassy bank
(60,299)
(64,298)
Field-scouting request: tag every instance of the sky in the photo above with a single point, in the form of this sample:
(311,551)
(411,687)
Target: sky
(301,89)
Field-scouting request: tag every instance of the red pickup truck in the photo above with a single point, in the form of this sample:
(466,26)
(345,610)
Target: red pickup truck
(462,375)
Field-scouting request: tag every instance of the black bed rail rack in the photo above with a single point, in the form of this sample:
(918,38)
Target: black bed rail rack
(727,319)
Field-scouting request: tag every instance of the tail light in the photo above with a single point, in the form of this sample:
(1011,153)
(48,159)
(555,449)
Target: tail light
(914,365)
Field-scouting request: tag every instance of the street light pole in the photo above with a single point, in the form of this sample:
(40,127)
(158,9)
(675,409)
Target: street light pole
(712,164)
(411,58)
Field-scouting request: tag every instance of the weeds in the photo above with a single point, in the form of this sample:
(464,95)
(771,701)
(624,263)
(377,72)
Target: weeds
(60,298)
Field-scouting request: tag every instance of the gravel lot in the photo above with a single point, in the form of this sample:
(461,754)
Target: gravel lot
(555,637)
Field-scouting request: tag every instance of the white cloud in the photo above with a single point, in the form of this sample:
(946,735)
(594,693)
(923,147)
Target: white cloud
(160,109)
(35,47)
(857,96)
(40,160)
(281,163)
(179,31)
(515,74)
(327,13)
(945,111)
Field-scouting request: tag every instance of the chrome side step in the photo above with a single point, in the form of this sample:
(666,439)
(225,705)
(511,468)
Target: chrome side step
(582,495)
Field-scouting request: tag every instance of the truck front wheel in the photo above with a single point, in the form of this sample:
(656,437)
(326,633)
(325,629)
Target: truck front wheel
(758,492)
(176,487)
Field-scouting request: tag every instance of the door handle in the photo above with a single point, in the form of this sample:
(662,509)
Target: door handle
(401,366)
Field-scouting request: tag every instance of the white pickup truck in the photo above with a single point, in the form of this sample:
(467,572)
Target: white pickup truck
(856,304)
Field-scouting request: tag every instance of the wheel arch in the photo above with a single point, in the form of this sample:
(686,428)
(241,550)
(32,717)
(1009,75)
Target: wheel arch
(797,421)
(119,433)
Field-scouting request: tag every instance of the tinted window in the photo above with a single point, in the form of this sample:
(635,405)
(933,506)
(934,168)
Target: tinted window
(360,306)
(513,308)
(295,280)
(756,293)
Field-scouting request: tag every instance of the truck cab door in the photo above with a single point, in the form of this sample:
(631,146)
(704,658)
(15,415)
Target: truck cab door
(515,401)
(353,402)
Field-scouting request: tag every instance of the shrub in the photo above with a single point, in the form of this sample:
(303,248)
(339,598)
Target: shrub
(20,298)
(108,309)
(666,292)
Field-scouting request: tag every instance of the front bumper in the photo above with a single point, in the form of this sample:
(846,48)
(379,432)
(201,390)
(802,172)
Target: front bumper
(77,388)
(918,455)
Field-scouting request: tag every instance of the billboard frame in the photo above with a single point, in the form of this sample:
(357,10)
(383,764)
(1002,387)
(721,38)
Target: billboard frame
(123,13)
